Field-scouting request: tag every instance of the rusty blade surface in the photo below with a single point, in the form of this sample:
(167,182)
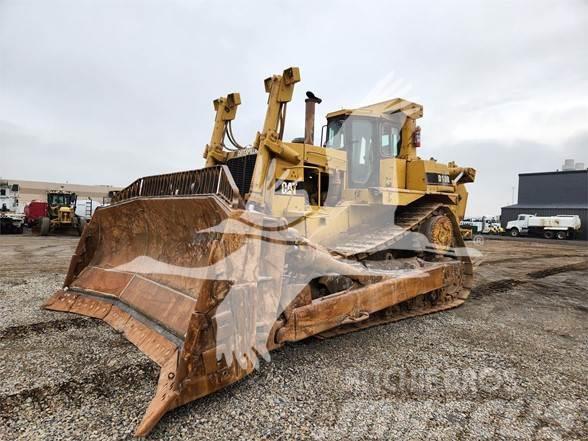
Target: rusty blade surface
(161,271)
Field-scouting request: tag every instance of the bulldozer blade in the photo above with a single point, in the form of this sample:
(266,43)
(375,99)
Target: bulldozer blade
(200,303)
(206,289)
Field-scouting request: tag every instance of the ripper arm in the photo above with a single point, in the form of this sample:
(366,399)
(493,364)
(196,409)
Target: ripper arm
(226,110)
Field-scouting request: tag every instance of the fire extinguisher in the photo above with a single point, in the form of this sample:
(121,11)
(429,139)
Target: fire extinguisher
(416,137)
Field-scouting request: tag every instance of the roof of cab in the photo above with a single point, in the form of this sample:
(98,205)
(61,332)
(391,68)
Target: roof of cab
(389,107)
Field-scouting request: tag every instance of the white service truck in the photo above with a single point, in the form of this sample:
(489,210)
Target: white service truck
(86,207)
(560,226)
(481,225)
(11,216)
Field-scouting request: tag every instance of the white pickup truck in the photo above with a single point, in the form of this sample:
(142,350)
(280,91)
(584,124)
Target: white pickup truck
(560,226)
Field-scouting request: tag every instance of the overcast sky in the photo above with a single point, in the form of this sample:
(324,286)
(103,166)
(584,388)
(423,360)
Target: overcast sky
(102,92)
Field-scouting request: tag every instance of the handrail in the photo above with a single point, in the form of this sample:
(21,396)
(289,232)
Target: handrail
(215,180)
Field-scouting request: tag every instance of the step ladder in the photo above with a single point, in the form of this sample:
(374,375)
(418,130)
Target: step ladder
(88,209)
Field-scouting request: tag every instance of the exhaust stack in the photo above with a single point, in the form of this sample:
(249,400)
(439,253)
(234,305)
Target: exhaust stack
(311,102)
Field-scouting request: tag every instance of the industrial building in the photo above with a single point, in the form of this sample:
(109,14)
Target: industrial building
(553,193)
(36,190)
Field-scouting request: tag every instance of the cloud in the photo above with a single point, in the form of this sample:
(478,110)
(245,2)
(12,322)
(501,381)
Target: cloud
(498,164)
(105,92)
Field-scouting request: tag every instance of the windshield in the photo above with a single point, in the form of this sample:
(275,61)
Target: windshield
(365,142)
(335,134)
(59,199)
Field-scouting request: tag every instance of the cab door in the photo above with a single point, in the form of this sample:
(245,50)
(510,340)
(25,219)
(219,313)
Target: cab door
(363,156)
(392,168)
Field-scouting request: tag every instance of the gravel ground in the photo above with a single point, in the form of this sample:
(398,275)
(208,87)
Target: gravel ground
(510,364)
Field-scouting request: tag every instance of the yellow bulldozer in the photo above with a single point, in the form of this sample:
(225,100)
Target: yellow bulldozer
(207,271)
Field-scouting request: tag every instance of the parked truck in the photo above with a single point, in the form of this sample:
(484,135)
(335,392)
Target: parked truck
(11,219)
(34,211)
(560,226)
(85,208)
(481,225)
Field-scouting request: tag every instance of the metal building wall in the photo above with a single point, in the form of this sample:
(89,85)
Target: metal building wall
(565,188)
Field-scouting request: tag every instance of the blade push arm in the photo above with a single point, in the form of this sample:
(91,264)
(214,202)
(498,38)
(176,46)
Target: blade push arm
(269,142)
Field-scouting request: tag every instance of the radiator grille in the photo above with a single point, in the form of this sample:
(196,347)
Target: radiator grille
(241,169)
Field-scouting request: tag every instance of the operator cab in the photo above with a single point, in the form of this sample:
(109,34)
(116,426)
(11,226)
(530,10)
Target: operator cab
(61,199)
(367,140)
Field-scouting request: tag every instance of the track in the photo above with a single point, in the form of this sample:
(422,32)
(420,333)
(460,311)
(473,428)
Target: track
(367,240)
(362,245)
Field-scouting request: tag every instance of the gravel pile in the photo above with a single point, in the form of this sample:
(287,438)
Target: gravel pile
(509,363)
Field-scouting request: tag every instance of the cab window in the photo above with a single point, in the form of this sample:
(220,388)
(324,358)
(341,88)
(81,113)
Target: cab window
(60,199)
(389,140)
(362,150)
(336,134)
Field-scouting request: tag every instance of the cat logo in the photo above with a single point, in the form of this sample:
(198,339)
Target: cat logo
(289,187)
